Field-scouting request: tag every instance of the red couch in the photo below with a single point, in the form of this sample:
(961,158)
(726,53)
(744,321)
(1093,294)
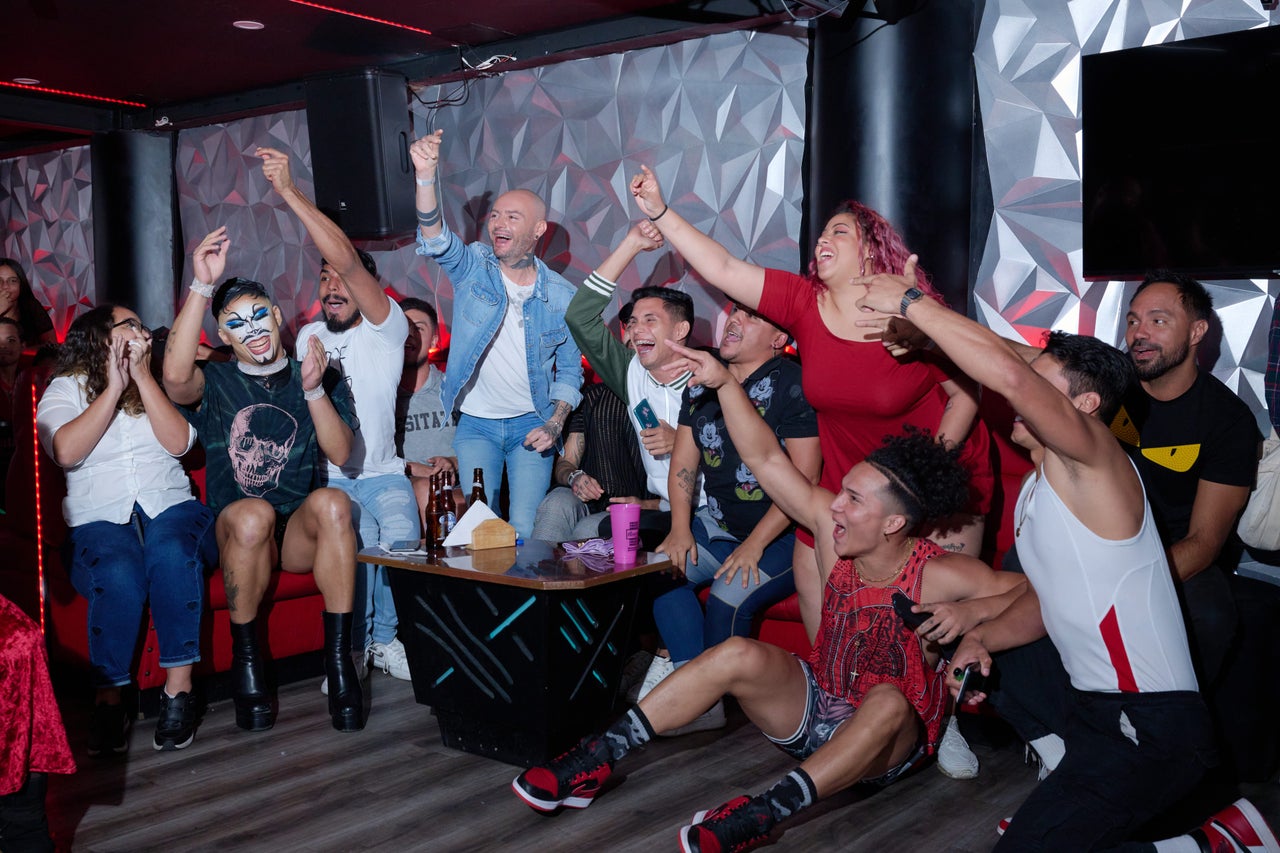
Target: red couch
(291,610)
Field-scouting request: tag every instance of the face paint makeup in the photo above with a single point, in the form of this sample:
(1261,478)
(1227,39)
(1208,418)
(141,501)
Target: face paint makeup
(251,327)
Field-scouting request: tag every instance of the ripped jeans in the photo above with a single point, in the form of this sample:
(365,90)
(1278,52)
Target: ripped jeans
(117,574)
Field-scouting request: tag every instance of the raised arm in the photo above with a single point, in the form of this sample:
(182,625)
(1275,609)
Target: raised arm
(782,481)
(183,380)
(584,316)
(988,359)
(336,249)
(425,154)
(737,279)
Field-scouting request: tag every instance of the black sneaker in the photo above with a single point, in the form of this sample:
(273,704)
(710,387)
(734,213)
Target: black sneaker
(109,730)
(741,824)
(176,727)
(572,780)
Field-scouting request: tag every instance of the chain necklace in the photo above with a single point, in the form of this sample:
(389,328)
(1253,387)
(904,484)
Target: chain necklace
(911,547)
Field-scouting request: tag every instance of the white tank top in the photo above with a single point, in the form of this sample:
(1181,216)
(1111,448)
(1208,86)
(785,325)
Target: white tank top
(1109,605)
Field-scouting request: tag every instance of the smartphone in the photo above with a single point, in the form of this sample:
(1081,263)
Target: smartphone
(902,606)
(402,546)
(973,679)
(645,415)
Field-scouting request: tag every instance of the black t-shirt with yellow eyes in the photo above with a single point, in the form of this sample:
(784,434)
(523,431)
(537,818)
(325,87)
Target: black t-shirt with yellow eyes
(1208,433)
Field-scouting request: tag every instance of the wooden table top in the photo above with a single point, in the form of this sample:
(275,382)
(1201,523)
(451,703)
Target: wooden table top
(533,565)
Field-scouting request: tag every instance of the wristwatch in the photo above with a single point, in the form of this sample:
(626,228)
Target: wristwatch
(912,294)
(573,475)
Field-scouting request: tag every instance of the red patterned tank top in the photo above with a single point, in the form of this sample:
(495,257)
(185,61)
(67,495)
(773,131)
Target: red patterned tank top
(862,642)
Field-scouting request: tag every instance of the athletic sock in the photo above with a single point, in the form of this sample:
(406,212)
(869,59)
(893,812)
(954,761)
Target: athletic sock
(792,793)
(632,729)
(1181,844)
(1051,748)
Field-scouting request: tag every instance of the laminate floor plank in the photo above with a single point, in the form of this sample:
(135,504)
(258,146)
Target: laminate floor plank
(395,787)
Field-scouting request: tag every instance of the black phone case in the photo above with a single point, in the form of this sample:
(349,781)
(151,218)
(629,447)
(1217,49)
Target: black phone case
(902,606)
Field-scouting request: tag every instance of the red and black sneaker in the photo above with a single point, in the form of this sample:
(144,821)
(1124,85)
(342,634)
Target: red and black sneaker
(741,824)
(1240,828)
(573,780)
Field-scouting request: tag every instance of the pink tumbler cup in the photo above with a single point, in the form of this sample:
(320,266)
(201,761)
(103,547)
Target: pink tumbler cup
(625,521)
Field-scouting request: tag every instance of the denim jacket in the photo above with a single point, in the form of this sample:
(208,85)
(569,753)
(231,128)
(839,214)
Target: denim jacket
(479,303)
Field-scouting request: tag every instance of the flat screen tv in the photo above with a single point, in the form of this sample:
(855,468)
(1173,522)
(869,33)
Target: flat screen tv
(1181,158)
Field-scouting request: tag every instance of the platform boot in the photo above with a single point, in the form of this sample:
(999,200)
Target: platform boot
(254,709)
(346,697)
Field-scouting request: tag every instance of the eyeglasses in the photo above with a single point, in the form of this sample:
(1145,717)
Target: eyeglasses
(134,324)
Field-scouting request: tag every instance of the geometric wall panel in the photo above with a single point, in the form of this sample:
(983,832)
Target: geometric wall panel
(1027,59)
(46,207)
(721,119)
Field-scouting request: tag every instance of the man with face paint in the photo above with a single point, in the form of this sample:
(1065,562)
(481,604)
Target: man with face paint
(514,371)
(264,420)
(363,332)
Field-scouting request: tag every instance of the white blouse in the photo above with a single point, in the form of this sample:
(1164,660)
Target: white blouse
(127,466)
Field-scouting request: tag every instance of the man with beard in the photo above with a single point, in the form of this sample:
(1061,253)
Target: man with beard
(264,420)
(1195,444)
(363,332)
(424,430)
(648,372)
(514,371)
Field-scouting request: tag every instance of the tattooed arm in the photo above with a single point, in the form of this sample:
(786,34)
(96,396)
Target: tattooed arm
(425,153)
(682,485)
(547,436)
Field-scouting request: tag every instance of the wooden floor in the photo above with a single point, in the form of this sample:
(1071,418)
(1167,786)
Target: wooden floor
(303,786)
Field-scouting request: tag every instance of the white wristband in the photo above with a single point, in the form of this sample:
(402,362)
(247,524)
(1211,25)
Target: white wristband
(314,394)
(573,475)
(425,182)
(199,288)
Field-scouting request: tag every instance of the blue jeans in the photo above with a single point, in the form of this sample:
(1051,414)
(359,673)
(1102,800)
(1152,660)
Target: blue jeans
(730,608)
(383,510)
(117,574)
(490,444)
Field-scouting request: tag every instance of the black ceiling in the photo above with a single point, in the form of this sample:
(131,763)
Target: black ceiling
(181,62)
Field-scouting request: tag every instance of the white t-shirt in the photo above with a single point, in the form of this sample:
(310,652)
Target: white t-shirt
(499,388)
(665,400)
(128,464)
(371,359)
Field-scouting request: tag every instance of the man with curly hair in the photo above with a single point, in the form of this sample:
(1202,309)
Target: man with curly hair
(868,704)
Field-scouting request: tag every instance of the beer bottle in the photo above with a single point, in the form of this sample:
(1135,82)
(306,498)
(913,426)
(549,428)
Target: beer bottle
(448,507)
(477,489)
(431,519)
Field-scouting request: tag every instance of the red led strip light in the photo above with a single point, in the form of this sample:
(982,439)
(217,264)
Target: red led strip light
(68,94)
(361,17)
(35,454)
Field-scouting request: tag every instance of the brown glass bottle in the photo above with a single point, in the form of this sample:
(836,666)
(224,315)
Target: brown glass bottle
(477,489)
(448,507)
(431,537)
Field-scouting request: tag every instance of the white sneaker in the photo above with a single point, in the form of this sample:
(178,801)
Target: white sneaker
(712,719)
(633,673)
(658,670)
(390,658)
(361,660)
(955,758)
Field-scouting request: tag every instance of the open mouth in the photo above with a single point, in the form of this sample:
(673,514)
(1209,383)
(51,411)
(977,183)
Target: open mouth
(732,334)
(259,344)
(837,532)
(643,348)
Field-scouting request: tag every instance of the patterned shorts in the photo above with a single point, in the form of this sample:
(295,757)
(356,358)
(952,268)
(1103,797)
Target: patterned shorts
(823,715)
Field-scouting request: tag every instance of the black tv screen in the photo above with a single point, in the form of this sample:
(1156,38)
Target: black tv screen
(1181,157)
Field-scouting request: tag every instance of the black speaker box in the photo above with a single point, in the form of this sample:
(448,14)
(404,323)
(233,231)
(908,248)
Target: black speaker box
(360,135)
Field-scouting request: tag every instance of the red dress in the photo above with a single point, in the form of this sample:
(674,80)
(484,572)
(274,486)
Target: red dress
(32,738)
(863,642)
(862,393)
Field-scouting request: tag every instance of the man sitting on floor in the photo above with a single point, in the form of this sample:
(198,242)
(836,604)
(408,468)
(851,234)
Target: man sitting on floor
(264,420)
(868,705)
(1138,735)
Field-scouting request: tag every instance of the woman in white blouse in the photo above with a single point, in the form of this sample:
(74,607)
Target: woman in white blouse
(137,533)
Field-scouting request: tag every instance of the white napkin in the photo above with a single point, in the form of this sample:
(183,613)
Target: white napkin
(461,534)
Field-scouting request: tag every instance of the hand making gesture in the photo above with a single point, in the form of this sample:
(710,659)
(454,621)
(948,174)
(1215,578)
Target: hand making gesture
(209,259)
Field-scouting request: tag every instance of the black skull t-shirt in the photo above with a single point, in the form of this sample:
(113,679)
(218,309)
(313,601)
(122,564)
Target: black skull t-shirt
(258,436)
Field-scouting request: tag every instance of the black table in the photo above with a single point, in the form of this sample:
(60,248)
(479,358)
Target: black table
(518,651)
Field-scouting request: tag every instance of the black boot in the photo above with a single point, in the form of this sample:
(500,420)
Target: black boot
(254,710)
(23,825)
(346,698)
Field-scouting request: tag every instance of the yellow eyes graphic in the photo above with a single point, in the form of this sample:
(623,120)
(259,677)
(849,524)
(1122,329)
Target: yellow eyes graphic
(1177,458)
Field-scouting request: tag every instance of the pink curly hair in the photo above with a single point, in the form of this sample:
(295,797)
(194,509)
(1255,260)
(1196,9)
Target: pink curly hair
(888,251)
